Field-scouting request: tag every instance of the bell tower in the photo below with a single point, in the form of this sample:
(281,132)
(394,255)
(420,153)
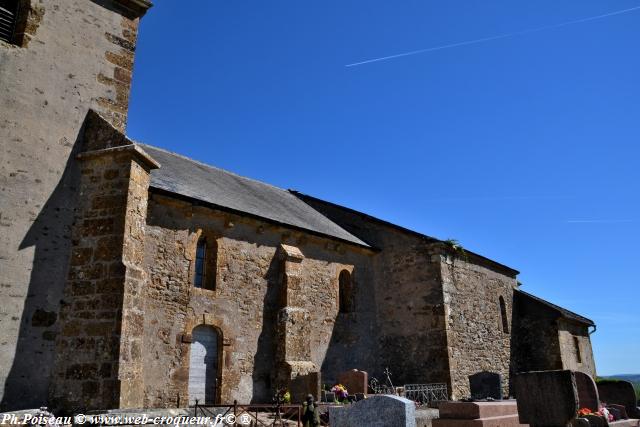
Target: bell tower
(58,60)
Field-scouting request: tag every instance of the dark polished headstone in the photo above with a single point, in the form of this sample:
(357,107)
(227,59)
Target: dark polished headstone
(621,393)
(546,398)
(587,391)
(485,385)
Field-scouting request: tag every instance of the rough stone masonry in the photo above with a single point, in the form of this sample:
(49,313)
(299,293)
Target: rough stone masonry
(113,252)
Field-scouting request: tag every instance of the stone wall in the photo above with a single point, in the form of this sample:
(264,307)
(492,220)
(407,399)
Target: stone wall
(536,345)
(406,299)
(75,55)
(98,360)
(244,305)
(572,335)
(476,336)
(545,340)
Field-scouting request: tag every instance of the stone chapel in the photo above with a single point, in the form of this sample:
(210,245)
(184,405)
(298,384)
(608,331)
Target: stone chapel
(135,277)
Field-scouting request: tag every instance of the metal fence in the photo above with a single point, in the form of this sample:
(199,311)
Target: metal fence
(259,415)
(426,394)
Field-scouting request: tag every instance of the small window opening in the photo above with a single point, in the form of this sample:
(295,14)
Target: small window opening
(206,258)
(345,292)
(503,314)
(201,260)
(576,345)
(8,19)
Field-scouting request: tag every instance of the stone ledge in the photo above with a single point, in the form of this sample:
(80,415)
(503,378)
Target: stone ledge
(132,8)
(474,410)
(133,149)
(500,421)
(291,253)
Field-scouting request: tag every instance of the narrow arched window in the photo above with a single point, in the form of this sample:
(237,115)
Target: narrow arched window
(503,314)
(206,264)
(201,264)
(576,345)
(345,292)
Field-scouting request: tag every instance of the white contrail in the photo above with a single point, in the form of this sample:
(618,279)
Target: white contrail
(502,36)
(597,221)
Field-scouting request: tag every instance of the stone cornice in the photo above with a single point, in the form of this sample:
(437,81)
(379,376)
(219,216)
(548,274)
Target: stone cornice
(131,8)
(135,150)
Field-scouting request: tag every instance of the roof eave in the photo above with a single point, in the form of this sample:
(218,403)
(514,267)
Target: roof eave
(199,202)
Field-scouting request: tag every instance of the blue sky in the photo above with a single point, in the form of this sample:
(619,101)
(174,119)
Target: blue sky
(524,148)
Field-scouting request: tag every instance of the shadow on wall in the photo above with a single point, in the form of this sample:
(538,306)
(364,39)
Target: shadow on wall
(264,359)
(353,345)
(341,356)
(27,384)
(515,348)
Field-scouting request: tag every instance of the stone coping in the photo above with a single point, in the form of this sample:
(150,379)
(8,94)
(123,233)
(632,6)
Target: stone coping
(134,149)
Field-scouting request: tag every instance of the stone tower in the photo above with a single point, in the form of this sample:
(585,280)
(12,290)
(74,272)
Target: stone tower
(58,59)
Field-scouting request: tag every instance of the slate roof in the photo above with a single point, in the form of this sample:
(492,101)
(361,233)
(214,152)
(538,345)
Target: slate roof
(180,175)
(563,312)
(402,229)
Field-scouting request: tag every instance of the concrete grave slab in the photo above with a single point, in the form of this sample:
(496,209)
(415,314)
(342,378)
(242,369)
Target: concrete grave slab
(478,414)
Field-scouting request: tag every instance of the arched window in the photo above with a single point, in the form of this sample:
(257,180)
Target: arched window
(503,314)
(201,262)
(345,292)
(205,271)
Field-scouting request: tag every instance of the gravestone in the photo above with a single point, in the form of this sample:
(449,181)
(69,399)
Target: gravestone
(596,421)
(620,393)
(503,413)
(375,411)
(329,396)
(354,380)
(546,398)
(587,391)
(485,385)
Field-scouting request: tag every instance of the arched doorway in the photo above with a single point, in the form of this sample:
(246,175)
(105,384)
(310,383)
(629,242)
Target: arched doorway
(204,365)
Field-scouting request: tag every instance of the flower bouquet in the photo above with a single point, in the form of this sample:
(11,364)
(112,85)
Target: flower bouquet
(341,392)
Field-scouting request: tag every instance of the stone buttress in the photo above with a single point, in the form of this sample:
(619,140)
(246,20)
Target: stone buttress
(98,360)
(295,370)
